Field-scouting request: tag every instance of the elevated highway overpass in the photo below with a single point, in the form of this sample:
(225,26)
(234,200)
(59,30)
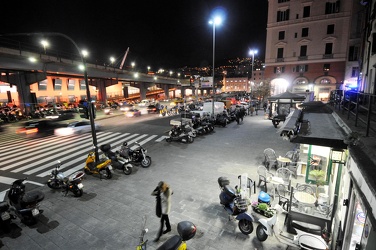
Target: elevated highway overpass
(23,68)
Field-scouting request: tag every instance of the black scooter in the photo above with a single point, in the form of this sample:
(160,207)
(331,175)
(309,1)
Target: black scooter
(25,204)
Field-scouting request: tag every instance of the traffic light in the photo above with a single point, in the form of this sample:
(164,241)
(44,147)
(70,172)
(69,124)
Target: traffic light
(83,109)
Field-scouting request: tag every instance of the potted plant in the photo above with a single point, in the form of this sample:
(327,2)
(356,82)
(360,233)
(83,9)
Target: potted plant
(318,176)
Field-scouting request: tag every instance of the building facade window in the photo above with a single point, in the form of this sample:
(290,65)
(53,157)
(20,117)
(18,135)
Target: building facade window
(332,7)
(328,48)
(283,1)
(303,50)
(82,85)
(306,11)
(283,15)
(304,32)
(330,29)
(278,70)
(42,85)
(324,81)
(281,35)
(57,83)
(353,53)
(280,53)
(326,67)
(355,72)
(70,85)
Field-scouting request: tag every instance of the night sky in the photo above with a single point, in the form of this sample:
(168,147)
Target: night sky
(164,34)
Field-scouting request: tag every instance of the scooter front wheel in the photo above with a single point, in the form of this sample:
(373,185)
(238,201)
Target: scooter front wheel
(145,163)
(54,184)
(245,226)
(127,169)
(106,173)
(261,233)
(77,192)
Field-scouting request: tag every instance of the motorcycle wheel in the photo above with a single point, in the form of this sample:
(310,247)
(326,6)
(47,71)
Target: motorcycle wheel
(127,169)
(245,226)
(54,184)
(29,220)
(145,163)
(260,233)
(190,139)
(77,192)
(106,173)
(168,139)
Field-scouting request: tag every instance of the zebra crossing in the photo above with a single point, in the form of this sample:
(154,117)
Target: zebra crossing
(37,157)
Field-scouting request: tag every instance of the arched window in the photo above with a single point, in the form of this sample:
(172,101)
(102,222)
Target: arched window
(324,81)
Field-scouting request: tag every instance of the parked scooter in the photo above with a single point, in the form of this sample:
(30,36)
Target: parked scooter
(118,162)
(5,216)
(103,167)
(235,204)
(305,237)
(187,230)
(137,155)
(71,183)
(177,134)
(25,205)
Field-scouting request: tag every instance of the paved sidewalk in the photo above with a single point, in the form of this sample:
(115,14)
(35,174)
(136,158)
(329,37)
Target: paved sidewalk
(109,214)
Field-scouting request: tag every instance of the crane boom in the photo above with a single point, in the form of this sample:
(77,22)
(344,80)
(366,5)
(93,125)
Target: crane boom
(125,57)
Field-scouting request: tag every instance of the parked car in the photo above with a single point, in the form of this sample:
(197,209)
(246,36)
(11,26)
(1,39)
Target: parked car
(132,113)
(77,127)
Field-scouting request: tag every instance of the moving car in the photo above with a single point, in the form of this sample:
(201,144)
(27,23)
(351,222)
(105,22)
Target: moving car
(152,109)
(132,113)
(39,127)
(77,127)
(126,107)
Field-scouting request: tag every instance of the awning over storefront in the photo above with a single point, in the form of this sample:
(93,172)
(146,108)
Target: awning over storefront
(315,126)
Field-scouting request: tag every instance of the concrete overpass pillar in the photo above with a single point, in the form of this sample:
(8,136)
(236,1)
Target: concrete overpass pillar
(166,91)
(24,95)
(102,92)
(143,90)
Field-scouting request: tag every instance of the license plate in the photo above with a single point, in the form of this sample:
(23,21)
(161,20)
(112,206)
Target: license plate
(110,167)
(5,216)
(35,212)
(80,185)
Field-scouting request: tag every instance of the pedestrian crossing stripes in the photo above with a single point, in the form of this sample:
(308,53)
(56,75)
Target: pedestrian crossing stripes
(39,156)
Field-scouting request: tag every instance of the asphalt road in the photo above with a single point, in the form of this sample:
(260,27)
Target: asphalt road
(109,214)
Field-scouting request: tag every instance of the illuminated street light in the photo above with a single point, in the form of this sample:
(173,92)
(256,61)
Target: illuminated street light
(215,21)
(84,53)
(252,52)
(45,44)
(133,64)
(148,69)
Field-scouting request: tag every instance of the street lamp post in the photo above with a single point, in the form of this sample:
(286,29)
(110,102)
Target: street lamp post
(251,52)
(214,22)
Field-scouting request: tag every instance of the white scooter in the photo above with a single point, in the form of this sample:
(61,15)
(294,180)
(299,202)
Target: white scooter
(302,239)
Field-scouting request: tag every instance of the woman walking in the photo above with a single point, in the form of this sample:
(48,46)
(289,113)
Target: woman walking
(163,190)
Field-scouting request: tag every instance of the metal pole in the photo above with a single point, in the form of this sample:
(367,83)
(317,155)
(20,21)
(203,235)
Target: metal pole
(213,68)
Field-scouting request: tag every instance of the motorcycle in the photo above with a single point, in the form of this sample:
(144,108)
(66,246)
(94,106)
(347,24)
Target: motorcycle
(186,230)
(71,183)
(25,205)
(235,204)
(118,162)
(103,167)
(178,134)
(307,237)
(5,217)
(221,120)
(137,155)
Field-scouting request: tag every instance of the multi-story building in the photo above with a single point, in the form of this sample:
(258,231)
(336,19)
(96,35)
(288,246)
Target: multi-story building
(312,45)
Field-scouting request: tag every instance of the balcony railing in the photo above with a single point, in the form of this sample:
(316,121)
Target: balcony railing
(327,56)
(302,58)
(359,107)
(280,59)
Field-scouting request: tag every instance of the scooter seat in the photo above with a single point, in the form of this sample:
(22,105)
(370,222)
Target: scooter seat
(306,227)
(32,196)
(4,206)
(172,243)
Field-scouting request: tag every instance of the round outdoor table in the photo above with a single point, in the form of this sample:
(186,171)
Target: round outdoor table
(304,198)
(283,160)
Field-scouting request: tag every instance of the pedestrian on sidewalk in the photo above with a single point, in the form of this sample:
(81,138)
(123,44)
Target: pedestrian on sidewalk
(163,194)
